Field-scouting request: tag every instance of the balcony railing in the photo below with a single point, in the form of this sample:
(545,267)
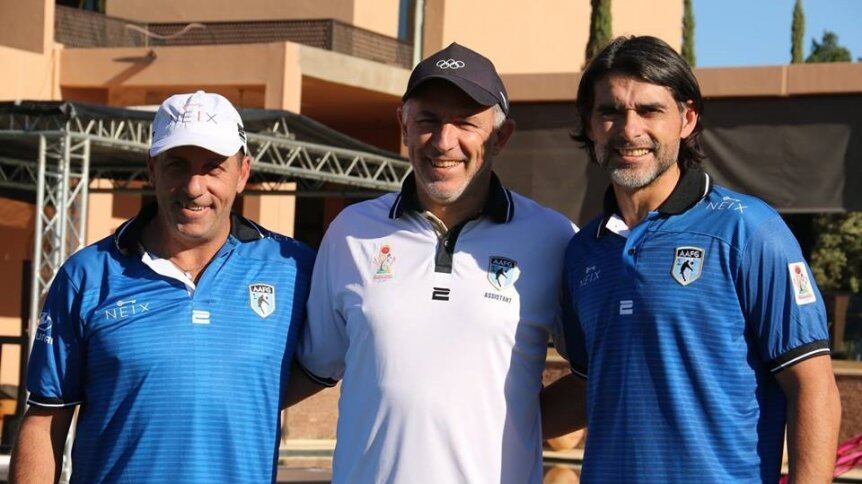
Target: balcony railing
(82,29)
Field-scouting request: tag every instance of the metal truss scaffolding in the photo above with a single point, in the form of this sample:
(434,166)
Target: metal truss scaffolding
(73,149)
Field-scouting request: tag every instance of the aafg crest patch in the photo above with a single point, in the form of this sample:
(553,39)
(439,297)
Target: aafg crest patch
(261,297)
(687,264)
(502,272)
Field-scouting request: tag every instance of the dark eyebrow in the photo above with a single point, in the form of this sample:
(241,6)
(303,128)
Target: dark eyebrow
(650,107)
(611,107)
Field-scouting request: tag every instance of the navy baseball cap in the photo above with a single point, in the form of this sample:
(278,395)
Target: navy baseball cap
(468,70)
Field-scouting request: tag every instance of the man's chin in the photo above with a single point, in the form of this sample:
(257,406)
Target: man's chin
(192,232)
(443,193)
(633,179)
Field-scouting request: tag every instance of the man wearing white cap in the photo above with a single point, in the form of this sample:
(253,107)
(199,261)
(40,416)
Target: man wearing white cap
(175,335)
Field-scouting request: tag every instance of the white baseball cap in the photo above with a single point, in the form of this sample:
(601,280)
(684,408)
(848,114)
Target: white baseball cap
(198,119)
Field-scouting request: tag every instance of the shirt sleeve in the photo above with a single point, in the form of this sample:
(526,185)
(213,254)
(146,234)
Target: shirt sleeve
(558,336)
(54,373)
(323,343)
(781,301)
(575,345)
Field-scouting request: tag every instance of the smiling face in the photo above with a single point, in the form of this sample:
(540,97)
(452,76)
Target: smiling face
(451,143)
(637,128)
(195,189)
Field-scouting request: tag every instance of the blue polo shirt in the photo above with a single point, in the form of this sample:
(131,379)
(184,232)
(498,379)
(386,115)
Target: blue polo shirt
(176,382)
(679,325)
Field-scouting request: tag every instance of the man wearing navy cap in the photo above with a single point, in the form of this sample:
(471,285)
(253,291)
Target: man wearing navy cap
(435,304)
(174,336)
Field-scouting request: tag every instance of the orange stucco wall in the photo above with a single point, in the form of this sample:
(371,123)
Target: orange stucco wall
(129,74)
(27,25)
(541,37)
(29,75)
(16,246)
(377,15)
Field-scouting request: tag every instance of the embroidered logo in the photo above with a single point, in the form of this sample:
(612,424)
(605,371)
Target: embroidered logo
(627,307)
(502,272)
(727,203)
(43,332)
(261,297)
(125,308)
(687,264)
(199,316)
(591,275)
(450,64)
(383,263)
(802,289)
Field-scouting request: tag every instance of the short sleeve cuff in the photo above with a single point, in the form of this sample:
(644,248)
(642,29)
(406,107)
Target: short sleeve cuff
(49,402)
(327,382)
(799,354)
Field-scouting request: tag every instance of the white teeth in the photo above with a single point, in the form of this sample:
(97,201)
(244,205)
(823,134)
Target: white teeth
(633,151)
(193,208)
(443,164)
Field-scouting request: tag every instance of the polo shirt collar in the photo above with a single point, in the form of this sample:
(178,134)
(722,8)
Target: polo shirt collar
(692,186)
(128,236)
(499,206)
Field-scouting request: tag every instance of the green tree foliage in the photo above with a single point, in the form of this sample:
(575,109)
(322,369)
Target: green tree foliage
(828,50)
(837,257)
(688,33)
(797,34)
(600,27)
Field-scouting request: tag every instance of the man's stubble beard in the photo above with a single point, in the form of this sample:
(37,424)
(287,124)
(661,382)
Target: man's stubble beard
(451,196)
(634,179)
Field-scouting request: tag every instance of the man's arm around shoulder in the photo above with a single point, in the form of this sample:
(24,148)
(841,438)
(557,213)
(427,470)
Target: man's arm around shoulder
(38,453)
(300,387)
(813,418)
(564,406)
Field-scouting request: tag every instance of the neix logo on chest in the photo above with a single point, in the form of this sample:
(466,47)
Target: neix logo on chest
(125,308)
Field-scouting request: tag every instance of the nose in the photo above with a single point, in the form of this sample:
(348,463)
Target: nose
(632,125)
(194,185)
(445,138)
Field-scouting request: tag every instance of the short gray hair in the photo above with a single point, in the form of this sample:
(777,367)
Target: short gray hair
(499,115)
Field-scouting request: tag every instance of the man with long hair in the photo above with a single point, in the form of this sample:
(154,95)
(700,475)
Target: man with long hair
(703,333)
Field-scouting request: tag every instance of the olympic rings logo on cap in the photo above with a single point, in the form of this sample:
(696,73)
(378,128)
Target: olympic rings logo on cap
(450,64)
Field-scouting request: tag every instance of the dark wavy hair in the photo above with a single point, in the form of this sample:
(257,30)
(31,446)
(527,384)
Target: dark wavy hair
(652,60)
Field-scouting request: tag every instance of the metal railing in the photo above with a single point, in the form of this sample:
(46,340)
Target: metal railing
(83,29)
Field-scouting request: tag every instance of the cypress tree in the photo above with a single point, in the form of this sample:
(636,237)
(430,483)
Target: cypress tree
(688,33)
(600,27)
(797,34)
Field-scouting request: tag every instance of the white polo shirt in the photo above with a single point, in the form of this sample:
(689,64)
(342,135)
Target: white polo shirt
(440,339)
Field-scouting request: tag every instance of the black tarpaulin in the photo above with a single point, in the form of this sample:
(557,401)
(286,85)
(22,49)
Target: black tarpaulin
(800,154)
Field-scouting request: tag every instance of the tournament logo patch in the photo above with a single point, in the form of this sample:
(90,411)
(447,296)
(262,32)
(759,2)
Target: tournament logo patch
(261,297)
(802,290)
(383,263)
(687,264)
(502,272)
(44,331)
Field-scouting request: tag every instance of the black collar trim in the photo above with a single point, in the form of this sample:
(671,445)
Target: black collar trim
(128,236)
(499,207)
(692,186)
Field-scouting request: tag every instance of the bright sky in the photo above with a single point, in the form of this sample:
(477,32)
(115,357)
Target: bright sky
(757,32)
